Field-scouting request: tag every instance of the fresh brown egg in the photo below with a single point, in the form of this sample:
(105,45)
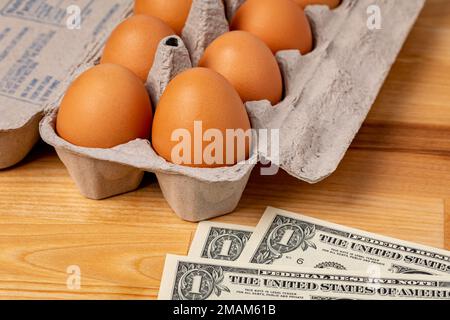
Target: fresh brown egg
(200,97)
(248,64)
(330,3)
(281,24)
(134,42)
(172,12)
(105,106)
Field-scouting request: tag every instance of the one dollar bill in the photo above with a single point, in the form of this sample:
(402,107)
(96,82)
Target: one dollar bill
(187,278)
(287,239)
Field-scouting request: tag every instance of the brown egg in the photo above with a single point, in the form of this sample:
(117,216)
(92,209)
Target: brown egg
(249,65)
(197,103)
(134,42)
(330,3)
(172,12)
(281,24)
(104,107)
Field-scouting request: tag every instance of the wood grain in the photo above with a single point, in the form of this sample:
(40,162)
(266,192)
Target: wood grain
(395,180)
(447,224)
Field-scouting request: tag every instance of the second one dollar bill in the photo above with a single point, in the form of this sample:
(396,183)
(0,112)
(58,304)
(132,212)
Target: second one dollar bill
(188,278)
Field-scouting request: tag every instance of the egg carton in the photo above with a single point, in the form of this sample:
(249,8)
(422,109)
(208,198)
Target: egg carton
(328,94)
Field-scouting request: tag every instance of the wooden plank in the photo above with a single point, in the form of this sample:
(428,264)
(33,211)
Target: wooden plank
(395,180)
(115,261)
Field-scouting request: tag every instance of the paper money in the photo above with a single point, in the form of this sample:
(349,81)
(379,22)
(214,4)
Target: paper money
(286,239)
(219,241)
(187,278)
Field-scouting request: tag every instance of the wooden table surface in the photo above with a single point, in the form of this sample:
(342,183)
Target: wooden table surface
(395,180)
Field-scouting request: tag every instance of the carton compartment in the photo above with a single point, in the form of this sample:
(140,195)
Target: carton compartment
(16,143)
(195,200)
(99,179)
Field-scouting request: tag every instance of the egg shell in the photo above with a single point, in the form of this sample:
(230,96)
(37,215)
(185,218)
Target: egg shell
(198,94)
(330,3)
(249,65)
(105,106)
(281,24)
(172,12)
(134,42)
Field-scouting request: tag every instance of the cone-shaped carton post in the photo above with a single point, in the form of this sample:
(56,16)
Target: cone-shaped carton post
(171,59)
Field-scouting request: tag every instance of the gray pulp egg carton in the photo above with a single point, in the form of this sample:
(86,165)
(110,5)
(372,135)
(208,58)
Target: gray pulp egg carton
(328,95)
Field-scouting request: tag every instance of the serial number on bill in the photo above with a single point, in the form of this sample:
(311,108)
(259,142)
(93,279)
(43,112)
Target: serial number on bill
(225,310)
